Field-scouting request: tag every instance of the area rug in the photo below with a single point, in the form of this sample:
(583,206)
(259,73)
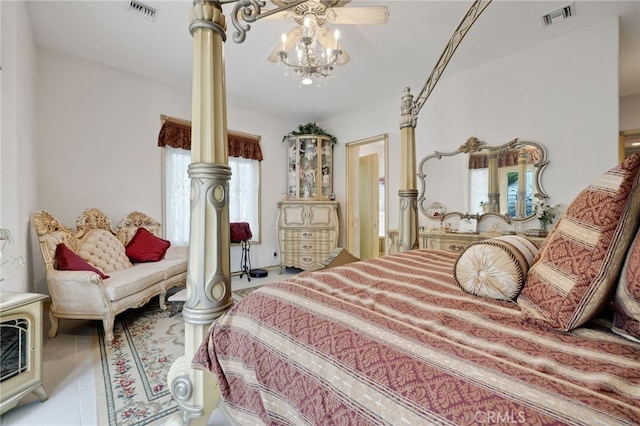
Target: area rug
(131,374)
(241,294)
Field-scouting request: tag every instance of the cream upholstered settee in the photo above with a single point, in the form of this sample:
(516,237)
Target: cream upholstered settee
(85,294)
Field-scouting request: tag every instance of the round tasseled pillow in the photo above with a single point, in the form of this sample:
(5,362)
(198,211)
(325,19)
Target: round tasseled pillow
(495,268)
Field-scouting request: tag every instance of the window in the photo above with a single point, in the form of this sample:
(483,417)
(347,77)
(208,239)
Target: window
(244,194)
(177,211)
(245,155)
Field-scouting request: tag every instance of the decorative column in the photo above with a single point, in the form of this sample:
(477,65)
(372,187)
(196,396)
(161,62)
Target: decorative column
(208,293)
(494,184)
(521,199)
(408,229)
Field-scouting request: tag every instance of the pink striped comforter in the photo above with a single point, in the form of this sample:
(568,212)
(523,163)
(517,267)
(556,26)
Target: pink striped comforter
(394,341)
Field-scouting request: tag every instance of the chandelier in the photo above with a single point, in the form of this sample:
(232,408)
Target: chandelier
(311,52)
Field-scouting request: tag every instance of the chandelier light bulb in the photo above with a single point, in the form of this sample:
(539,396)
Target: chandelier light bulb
(336,34)
(284,41)
(307,81)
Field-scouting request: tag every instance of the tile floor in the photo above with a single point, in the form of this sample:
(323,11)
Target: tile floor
(68,374)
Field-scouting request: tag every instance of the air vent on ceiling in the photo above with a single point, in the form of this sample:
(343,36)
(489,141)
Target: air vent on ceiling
(144,10)
(559,14)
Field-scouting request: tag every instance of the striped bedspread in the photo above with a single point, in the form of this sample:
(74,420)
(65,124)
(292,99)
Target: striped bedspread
(395,341)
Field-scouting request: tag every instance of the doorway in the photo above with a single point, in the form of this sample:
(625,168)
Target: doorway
(629,143)
(367,196)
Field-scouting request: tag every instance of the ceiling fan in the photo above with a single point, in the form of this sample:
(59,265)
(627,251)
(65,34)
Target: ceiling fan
(322,11)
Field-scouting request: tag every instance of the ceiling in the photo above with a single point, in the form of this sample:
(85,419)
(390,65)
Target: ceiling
(384,58)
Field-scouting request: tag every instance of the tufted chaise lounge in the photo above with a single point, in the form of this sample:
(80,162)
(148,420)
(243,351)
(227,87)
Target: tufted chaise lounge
(84,294)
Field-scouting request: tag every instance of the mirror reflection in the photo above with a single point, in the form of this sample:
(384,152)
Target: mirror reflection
(480,180)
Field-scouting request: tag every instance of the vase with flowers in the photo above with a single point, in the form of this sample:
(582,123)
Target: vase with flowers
(546,213)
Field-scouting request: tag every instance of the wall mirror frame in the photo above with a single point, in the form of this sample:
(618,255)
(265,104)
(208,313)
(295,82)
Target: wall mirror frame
(524,158)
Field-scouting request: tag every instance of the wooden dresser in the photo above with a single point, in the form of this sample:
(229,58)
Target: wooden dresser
(307,232)
(450,241)
(457,241)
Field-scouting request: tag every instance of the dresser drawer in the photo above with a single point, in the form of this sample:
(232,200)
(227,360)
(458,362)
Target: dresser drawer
(449,244)
(308,234)
(308,262)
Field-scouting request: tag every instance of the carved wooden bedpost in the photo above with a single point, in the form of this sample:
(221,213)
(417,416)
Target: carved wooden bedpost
(408,226)
(208,292)
(408,194)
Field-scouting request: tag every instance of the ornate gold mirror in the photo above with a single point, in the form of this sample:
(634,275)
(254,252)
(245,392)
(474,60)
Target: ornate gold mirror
(479,180)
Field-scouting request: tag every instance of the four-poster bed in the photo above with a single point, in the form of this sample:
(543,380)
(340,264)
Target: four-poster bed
(391,340)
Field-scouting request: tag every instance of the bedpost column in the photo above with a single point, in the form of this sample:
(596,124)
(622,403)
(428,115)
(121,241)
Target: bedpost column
(408,194)
(494,184)
(208,293)
(521,199)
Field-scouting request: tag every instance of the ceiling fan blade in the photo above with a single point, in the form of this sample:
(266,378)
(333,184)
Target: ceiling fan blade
(285,14)
(292,38)
(363,15)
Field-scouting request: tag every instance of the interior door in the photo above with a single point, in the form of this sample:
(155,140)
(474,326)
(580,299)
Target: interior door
(368,190)
(364,191)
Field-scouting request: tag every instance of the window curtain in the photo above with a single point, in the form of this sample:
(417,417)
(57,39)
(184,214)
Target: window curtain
(177,134)
(177,199)
(505,159)
(242,192)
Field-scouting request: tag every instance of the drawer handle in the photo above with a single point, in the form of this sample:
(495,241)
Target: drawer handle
(307,234)
(307,246)
(454,247)
(307,259)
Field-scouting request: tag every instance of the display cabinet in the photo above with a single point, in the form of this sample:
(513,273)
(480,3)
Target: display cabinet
(310,167)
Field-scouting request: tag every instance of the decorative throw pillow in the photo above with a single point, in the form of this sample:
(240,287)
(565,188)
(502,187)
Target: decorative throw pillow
(626,321)
(578,266)
(146,247)
(495,268)
(67,260)
(103,250)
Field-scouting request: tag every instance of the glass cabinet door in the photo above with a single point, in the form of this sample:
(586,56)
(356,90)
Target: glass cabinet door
(310,167)
(327,168)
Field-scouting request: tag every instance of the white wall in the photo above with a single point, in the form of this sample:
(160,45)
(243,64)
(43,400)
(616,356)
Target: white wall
(17,161)
(97,146)
(562,94)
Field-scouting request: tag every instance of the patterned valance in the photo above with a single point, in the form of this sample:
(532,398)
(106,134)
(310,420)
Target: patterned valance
(505,159)
(177,134)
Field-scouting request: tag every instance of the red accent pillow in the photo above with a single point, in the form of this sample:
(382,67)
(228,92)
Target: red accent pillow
(146,247)
(67,260)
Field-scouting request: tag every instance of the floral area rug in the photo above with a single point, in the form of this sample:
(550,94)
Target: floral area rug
(131,374)
(241,294)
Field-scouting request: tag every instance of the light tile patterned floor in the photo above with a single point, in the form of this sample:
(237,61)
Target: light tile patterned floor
(68,374)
